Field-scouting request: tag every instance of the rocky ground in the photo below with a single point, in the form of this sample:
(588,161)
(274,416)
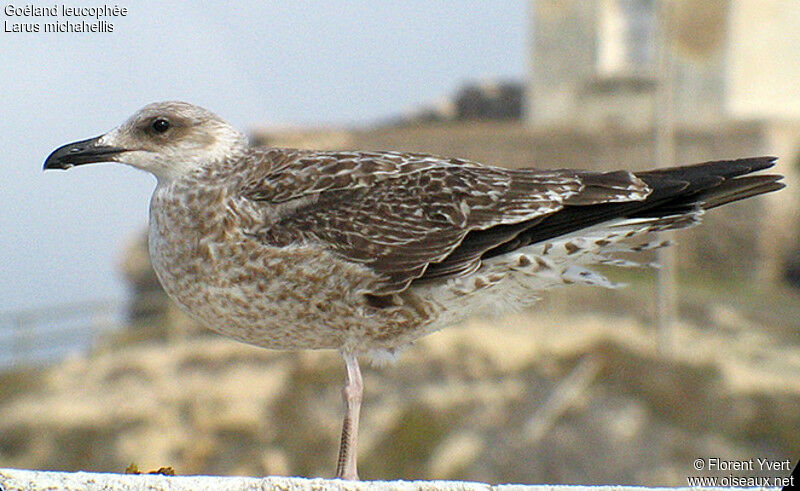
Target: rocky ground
(531,398)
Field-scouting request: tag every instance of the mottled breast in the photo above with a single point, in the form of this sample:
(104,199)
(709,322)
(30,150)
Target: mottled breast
(297,296)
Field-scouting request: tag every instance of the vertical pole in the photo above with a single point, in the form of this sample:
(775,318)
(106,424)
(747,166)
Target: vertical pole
(667,288)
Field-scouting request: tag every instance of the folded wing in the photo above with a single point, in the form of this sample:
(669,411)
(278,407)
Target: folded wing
(413,216)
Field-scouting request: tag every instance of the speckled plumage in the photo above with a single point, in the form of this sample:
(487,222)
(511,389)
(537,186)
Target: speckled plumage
(289,249)
(367,251)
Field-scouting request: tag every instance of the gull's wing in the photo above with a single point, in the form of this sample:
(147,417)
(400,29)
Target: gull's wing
(401,213)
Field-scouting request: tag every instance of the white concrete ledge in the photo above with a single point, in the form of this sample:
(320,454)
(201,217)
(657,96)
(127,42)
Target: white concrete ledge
(25,480)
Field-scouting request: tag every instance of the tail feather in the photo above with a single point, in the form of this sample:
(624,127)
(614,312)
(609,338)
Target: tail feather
(723,168)
(676,191)
(708,185)
(748,187)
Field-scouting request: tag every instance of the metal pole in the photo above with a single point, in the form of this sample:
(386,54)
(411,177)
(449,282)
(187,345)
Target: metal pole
(667,285)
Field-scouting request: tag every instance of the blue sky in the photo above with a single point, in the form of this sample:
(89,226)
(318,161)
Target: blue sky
(255,64)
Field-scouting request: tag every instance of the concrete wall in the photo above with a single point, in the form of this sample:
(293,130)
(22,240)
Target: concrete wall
(22,480)
(563,52)
(764,55)
(575,43)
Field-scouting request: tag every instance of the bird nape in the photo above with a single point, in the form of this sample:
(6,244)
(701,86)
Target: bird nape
(364,252)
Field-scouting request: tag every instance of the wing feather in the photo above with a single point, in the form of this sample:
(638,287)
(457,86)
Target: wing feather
(403,214)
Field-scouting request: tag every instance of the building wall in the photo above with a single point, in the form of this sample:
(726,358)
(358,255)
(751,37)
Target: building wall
(577,45)
(563,52)
(764,60)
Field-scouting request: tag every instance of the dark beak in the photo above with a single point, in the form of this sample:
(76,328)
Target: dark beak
(82,152)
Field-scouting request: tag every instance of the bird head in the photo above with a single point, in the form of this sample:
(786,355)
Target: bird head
(167,139)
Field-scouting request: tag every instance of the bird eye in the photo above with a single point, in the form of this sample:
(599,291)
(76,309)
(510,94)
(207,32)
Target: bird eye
(160,125)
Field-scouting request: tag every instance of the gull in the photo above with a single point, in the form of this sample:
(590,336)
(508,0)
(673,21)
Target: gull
(365,251)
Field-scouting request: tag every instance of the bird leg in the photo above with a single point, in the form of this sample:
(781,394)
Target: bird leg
(347,467)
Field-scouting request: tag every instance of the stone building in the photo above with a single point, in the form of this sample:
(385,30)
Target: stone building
(598,62)
(595,67)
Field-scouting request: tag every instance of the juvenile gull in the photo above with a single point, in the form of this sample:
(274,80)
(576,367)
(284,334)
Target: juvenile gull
(364,252)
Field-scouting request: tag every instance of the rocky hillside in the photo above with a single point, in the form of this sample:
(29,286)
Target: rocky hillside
(537,399)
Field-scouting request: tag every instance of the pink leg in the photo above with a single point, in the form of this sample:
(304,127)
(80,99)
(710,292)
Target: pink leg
(347,466)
